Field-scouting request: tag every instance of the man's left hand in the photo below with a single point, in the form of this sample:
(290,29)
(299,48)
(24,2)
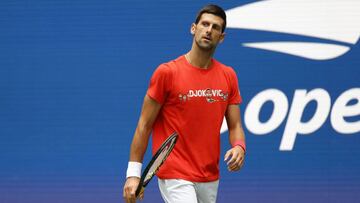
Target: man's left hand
(236,161)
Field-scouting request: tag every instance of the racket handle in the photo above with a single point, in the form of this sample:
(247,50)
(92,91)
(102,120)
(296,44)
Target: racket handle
(140,193)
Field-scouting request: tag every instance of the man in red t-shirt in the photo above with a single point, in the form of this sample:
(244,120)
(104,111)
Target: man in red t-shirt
(191,95)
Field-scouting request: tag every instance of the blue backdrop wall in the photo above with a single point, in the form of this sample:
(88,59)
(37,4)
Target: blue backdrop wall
(73,75)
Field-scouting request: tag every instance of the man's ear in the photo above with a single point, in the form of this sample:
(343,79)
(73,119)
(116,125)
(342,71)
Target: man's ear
(192,29)
(222,37)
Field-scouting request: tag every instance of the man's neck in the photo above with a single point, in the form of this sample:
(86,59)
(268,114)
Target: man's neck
(199,58)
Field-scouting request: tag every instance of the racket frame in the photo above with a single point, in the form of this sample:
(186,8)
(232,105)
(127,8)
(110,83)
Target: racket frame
(142,184)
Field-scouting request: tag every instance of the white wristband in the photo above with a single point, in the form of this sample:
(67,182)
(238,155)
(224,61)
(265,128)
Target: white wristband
(134,169)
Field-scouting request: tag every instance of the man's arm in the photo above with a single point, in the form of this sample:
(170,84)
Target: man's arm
(236,133)
(149,112)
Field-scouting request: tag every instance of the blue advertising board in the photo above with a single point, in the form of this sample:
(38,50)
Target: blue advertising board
(73,75)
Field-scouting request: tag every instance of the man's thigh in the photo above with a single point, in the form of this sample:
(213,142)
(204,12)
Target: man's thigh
(177,191)
(207,192)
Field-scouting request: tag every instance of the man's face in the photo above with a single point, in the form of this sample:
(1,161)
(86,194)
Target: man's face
(208,32)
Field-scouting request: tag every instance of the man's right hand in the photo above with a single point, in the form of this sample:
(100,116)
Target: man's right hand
(130,187)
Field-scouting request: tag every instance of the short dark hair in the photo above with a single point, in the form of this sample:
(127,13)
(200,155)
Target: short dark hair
(212,9)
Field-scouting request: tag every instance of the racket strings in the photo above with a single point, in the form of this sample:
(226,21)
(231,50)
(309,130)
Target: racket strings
(160,159)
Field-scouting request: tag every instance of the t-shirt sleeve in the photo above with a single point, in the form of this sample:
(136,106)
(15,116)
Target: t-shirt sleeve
(160,84)
(234,94)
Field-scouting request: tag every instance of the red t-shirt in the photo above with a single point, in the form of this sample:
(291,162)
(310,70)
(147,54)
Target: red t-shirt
(194,102)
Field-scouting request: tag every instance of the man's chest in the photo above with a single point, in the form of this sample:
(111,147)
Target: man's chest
(200,88)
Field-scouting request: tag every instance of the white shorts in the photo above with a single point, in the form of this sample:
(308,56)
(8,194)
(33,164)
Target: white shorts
(183,191)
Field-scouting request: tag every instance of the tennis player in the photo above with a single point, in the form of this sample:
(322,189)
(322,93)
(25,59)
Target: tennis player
(190,95)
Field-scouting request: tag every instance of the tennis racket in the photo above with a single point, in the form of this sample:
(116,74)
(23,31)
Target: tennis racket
(155,163)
